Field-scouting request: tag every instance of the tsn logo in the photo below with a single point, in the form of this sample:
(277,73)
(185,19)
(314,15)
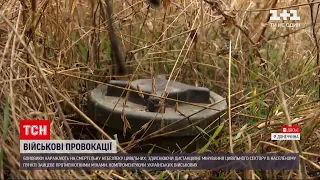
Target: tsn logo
(292,15)
(35,130)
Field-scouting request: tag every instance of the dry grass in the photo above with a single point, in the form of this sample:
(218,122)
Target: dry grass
(53,52)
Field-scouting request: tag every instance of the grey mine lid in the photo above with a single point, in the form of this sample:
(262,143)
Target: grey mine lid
(114,100)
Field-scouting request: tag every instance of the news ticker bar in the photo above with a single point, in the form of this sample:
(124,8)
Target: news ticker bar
(98,161)
(68,146)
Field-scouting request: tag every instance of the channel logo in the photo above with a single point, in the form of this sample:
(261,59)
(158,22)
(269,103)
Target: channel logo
(35,130)
(280,19)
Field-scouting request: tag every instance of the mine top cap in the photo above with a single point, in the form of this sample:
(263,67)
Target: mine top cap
(175,90)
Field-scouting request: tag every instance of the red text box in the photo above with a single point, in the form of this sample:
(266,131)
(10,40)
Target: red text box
(290,129)
(35,130)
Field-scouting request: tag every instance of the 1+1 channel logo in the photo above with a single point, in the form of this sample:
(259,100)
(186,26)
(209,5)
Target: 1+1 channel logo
(276,17)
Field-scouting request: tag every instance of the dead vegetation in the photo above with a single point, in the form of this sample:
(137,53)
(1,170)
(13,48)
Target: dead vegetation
(53,52)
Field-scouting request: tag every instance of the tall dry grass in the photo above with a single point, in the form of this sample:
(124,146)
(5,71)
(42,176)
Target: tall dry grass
(54,52)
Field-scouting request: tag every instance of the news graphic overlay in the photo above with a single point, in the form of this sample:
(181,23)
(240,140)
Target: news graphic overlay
(102,161)
(35,142)
(285,18)
(35,130)
(39,152)
(287,133)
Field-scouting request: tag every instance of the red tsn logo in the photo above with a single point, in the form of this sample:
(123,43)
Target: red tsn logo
(35,130)
(290,129)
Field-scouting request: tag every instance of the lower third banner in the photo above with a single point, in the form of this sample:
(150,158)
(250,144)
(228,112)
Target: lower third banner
(85,161)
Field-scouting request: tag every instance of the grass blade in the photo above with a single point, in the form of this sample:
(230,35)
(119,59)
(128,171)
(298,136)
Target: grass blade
(212,138)
(5,133)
